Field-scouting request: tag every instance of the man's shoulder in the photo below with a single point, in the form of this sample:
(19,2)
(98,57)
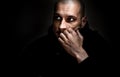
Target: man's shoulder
(38,39)
(96,45)
(34,44)
(92,37)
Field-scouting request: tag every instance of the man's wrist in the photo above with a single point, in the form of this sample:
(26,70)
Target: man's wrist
(81,55)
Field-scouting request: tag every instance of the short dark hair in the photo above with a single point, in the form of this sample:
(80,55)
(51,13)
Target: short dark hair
(81,2)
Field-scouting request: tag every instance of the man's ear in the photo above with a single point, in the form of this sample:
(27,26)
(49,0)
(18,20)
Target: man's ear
(84,21)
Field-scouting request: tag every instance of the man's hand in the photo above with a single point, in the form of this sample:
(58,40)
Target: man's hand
(72,42)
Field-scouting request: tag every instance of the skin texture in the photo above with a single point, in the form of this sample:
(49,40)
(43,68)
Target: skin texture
(67,20)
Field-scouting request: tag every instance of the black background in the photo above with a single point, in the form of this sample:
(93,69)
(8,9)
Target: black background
(29,19)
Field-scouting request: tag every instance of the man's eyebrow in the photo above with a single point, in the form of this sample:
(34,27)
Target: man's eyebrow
(72,16)
(57,14)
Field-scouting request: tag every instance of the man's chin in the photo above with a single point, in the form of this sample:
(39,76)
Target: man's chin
(57,35)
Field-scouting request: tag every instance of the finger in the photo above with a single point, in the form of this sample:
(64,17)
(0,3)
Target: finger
(63,37)
(61,41)
(70,30)
(66,33)
(79,34)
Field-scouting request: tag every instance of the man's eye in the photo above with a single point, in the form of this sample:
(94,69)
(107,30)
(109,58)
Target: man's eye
(70,19)
(57,18)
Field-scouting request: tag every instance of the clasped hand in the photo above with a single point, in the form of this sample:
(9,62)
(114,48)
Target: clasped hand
(72,42)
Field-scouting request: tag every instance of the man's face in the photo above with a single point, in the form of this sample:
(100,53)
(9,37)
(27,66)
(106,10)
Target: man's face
(67,16)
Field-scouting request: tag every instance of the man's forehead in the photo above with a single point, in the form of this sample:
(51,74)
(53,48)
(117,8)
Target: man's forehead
(68,8)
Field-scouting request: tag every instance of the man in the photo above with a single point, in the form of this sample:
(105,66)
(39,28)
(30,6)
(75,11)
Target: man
(69,45)
(68,18)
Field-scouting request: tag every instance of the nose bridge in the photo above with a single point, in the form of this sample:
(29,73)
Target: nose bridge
(63,24)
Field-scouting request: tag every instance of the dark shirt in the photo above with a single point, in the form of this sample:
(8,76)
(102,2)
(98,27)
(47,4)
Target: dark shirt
(45,57)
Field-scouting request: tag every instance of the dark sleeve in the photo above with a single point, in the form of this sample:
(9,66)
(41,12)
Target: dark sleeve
(99,58)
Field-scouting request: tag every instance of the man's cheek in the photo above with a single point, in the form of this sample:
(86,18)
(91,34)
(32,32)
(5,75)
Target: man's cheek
(75,28)
(55,27)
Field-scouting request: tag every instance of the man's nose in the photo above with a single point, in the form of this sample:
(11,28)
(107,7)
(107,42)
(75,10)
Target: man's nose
(63,25)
